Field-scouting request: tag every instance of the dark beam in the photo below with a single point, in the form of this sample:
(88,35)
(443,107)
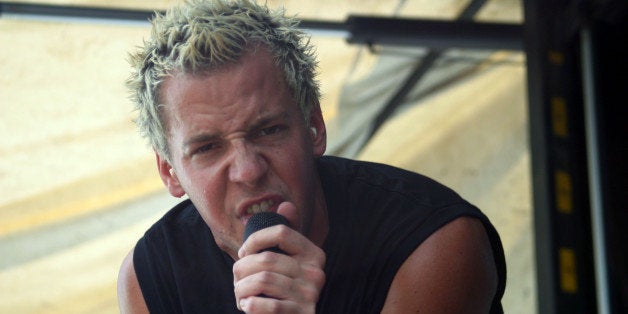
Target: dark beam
(361,29)
(434,34)
(84,12)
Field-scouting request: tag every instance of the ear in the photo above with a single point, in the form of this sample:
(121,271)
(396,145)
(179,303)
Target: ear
(319,131)
(169,177)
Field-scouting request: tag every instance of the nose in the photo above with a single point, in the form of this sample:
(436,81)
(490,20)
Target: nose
(247,165)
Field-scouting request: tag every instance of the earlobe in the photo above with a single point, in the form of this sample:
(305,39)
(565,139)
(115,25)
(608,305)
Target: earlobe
(169,177)
(318,131)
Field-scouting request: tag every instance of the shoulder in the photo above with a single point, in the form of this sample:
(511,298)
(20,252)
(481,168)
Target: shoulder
(457,261)
(130,298)
(151,255)
(368,177)
(179,221)
(180,216)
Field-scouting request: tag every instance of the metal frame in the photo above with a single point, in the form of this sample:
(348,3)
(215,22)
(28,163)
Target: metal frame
(434,34)
(73,12)
(570,204)
(358,29)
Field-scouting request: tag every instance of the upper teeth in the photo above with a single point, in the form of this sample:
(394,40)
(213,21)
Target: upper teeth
(259,208)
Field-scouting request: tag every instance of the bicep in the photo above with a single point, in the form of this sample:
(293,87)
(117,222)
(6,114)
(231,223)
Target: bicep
(130,298)
(452,271)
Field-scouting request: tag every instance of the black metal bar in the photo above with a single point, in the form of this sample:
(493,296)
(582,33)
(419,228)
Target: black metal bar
(434,34)
(324,25)
(562,222)
(540,159)
(608,35)
(74,11)
(471,9)
(87,12)
(363,29)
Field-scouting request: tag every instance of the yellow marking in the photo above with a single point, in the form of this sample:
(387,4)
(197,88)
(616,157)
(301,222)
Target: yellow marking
(78,207)
(559,117)
(564,192)
(84,196)
(556,57)
(568,271)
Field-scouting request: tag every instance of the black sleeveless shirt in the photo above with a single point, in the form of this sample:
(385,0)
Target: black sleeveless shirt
(378,215)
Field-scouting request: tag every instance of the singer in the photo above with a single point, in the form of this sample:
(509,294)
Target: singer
(227,96)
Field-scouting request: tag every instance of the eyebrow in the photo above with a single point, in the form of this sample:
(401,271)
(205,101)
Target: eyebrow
(266,119)
(201,138)
(259,123)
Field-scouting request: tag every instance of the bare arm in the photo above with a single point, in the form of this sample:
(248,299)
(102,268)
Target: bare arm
(453,271)
(130,298)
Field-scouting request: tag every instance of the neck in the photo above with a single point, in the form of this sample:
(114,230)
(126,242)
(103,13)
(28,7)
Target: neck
(319,227)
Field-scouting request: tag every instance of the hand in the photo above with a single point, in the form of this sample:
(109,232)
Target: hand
(269,282)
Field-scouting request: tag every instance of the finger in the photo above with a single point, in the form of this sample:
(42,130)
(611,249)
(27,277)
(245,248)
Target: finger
(271,285)
(288,240)
(289,210)
(275,291)
(266,261)
(275,236)
(275,285)
(260,305)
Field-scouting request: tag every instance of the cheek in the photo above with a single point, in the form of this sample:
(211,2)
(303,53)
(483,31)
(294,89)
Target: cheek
(208,194)
(298,167)
(214,207)
(293,161)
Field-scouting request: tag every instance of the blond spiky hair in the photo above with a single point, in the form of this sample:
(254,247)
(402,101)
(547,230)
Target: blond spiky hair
(201,36)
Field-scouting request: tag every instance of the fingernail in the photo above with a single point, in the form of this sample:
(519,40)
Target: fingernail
(241,252)
(243,304)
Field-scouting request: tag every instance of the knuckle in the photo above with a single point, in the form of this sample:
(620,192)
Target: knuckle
(310,294)
(321,258)
(283,232)
(315,274)
(265,277)
(318,277)
(263,305)
(237,271)
(267,258)
(273,307)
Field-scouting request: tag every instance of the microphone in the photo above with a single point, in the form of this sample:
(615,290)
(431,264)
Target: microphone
(260,221)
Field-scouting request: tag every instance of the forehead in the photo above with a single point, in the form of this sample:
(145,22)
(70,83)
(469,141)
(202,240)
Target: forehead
(250,71)
(251,85)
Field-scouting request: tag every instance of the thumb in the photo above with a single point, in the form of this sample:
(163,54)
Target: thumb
(289,210)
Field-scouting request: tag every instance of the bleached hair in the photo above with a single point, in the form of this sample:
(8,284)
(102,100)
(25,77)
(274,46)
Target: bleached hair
(201,36)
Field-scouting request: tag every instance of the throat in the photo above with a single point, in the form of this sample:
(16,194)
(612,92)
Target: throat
(319,228)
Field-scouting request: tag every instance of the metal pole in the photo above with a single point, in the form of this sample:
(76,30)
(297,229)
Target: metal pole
(593,164)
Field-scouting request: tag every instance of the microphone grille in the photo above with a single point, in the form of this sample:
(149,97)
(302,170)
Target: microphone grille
(260,221)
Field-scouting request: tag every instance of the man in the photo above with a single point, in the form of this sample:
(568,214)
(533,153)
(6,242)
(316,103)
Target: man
(226,95)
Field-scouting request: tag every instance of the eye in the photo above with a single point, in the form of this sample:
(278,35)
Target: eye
(271,130)
(205,148)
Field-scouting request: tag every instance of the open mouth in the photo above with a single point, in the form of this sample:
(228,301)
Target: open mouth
(267,203)
(260,207)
